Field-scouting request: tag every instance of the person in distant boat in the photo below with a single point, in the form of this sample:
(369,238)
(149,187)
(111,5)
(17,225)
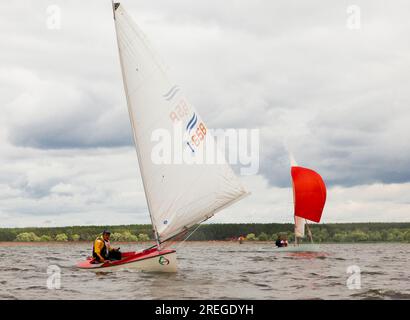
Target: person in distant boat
(102,249)
(285,241)
(281,242)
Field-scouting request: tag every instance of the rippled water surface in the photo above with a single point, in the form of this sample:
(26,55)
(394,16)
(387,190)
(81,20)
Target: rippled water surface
(213,270)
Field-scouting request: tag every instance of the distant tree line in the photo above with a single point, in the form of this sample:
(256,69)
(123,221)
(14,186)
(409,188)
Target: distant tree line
(76,233)
(334,232)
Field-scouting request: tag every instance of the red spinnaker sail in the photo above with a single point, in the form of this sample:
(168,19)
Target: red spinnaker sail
(309,193)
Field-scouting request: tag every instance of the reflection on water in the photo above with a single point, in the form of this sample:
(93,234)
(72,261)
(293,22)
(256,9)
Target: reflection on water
(213,270)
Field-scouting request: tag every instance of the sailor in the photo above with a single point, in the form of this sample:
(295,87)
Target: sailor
(102,249)
(281,242)
(285,242)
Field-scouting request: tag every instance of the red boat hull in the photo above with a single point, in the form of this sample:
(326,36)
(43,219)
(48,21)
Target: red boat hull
(146,260)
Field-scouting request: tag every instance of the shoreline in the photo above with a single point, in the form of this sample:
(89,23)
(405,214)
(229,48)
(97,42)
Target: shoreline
(323,233)
(151,243)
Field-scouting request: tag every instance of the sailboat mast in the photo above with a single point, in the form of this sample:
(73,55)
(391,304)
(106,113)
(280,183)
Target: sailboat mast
(157,240)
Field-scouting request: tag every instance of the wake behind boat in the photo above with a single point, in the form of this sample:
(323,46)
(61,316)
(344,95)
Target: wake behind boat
(179,195)
(293,248)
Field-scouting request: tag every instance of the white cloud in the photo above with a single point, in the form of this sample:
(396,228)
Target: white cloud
(101,186)
(364,203)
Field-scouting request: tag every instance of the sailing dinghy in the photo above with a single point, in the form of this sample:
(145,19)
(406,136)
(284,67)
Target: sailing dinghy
(179,195)
(309,197)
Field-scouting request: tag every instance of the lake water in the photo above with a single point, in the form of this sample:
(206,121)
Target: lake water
(214,270)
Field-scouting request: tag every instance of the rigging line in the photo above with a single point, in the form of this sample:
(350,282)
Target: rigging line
(309,232)
(178,234)
(188,236)
(207,217)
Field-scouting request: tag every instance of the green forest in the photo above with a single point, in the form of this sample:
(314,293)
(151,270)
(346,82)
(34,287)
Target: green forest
(322,233)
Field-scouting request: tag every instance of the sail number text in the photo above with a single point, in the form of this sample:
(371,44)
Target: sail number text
(199,134)
(180,111)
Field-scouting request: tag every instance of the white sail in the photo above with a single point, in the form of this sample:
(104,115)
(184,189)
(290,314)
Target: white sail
(292,160)
(179,195)
(299,227)
(299,222)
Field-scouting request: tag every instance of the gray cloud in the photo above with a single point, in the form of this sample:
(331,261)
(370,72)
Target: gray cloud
(337,98)
(58,115)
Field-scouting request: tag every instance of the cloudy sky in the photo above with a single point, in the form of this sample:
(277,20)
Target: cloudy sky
(305,73)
